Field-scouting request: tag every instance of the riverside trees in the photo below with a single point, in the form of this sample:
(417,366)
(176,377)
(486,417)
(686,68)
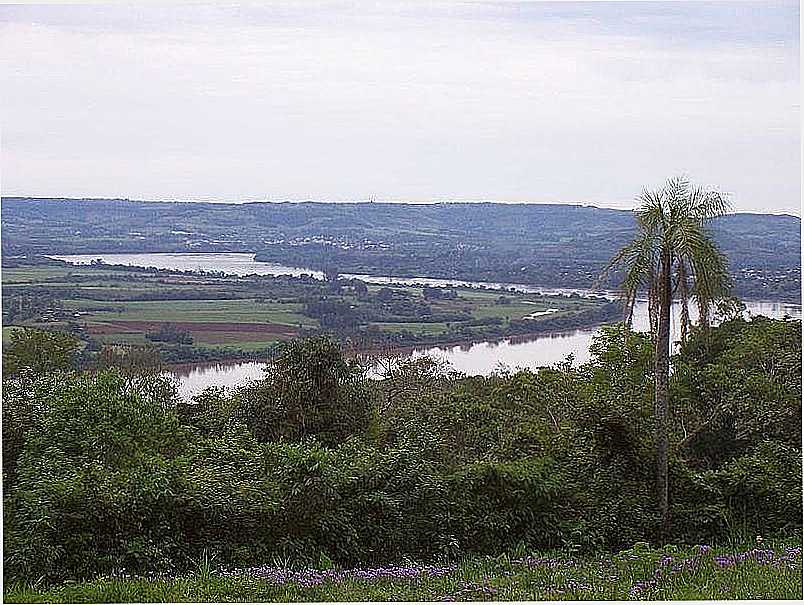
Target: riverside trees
(109,470)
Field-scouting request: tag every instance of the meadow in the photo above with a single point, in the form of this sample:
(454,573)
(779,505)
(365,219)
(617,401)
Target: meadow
(753,571)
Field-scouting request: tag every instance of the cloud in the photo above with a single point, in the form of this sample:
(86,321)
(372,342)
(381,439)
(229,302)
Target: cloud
(543,102)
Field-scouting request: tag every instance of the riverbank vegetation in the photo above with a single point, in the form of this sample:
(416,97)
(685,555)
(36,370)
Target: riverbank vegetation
(319,468)
(201,316)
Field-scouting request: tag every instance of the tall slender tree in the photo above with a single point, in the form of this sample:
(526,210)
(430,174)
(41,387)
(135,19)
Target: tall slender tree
(672,256)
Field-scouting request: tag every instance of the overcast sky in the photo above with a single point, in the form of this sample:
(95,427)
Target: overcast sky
(541,102)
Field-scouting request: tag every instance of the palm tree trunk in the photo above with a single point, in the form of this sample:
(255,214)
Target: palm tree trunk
(662,377)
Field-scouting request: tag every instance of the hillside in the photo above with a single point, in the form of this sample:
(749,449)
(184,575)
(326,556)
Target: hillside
(546,244)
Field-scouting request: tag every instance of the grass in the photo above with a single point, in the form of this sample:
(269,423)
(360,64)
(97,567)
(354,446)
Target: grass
(223,311)
(32,274)
(25,275)
(137,338)
(413,327)
(231,338)
(772,572)
(512,311)
(242,345)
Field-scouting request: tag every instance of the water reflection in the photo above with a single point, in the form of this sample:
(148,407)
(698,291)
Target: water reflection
(227,262)
(471,358)
(476,358)
(193,379)
(486,357)
(524,352)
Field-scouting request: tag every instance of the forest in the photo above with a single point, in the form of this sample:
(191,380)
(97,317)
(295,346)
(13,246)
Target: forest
(109,477)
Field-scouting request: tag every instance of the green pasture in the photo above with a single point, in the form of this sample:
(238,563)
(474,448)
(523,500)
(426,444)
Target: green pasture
(220,311)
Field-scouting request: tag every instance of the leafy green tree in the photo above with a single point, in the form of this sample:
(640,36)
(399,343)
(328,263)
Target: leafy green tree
(40,350)
(130,360)
(672,255)
(738,386)
(310,390)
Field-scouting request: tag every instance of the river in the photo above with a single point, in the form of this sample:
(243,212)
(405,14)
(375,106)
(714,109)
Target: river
(470,358)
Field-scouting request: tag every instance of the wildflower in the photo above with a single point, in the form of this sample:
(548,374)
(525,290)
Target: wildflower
(641,586)
(312,577)
(549,563)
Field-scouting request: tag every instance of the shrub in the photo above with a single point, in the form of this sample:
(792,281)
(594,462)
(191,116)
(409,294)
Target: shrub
(94,480)
(356,503)
(496,505)
(39,350)
(310,390)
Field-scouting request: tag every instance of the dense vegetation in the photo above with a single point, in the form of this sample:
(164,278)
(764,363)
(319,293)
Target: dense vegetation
(543,244)
(196,316)
(319,466)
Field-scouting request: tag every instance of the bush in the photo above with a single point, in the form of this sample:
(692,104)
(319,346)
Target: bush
(39,350)
(228,500)
(495,506)
(167,332)
(318,464)
(94,480)
(762,490)
(310,390)
(356,503)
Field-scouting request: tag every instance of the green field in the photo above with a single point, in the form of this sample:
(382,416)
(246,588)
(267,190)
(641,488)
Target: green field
(415,328)
(20,275)
(219,313)
(222,311)
(748,572)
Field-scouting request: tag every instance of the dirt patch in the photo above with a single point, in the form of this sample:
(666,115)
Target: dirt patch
(117,327)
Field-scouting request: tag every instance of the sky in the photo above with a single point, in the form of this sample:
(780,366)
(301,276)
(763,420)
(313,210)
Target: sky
(581,102)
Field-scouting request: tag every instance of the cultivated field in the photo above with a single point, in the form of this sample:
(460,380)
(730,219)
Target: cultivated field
(220,314)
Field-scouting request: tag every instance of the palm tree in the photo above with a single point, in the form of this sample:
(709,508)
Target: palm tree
(672,256)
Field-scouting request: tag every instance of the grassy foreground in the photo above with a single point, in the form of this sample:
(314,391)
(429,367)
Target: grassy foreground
(641,573)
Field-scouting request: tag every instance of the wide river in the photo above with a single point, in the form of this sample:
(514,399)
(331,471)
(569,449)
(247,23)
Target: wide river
(470,358)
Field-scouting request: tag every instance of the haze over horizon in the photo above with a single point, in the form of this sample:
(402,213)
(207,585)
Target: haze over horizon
(623,207)
(579,103)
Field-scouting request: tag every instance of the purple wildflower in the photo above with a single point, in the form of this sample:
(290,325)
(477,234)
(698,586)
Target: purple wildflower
(548,563)
(312,577)
(641,586)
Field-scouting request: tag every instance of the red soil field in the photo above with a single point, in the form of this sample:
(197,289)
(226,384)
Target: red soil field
(117,327)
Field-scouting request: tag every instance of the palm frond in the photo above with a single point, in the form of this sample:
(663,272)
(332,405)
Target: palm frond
(650,216)
(712,281)
(637,258)
(671,223)
(682,286)
(707,205)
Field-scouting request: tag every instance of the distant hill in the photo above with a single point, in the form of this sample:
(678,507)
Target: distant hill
(546,244)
